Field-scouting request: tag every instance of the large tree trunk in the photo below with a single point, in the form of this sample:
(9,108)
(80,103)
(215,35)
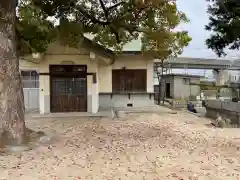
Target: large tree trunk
(12,125)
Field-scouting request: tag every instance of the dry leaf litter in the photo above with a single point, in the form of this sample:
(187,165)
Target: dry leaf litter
(151,147)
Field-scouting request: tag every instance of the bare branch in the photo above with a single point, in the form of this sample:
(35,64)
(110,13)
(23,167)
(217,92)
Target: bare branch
(115,32)
(104,8)
(115,6)
(92,18)
(116,20)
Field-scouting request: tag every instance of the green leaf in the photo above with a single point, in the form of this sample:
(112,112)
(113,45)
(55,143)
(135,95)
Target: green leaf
(225,25)
(112,23)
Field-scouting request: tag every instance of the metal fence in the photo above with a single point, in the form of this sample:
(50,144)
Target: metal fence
(31,99)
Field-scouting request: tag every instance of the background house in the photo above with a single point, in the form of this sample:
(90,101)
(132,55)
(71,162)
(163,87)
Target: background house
(180,86)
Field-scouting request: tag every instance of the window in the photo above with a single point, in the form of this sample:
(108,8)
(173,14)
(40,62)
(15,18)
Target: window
(234,78)
(30,79)
(134,80)
(186,81)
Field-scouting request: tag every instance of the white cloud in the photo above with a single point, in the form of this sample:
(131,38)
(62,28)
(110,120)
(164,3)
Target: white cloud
(196,11)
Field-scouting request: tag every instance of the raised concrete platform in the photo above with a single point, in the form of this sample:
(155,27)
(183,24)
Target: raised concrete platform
(101,113)
(110,113)
(120,112)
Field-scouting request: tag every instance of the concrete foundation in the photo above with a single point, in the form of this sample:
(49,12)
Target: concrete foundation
(183,104)
(44,104)
(125,100)
(89,103)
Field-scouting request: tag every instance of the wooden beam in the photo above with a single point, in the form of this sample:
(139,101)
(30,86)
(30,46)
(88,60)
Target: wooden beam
(49,74)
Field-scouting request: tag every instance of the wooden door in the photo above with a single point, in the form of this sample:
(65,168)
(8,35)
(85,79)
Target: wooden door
(59,94)
(69,91)
(168,90)
(77,98)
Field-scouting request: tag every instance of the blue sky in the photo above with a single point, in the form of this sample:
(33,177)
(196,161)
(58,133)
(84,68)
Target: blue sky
(196,11)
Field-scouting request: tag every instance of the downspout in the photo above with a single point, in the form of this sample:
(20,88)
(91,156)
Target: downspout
(163,97)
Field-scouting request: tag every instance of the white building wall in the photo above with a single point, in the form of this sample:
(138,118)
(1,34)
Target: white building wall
(234,76)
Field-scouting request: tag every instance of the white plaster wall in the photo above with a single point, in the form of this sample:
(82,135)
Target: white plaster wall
(150,76)
(95,96)
(184,91)
(57,54)
(28,65)
(181,91)
(105,78)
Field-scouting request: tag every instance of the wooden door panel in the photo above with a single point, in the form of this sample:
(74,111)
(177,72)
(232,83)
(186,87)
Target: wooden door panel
(77,103)
(60,103)
(78,97)
(59,94)
(69,94)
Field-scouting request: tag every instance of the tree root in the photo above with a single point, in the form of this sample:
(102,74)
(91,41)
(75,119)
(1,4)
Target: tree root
(32,138)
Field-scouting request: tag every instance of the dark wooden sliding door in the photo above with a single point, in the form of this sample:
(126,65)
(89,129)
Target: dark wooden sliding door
(68,88)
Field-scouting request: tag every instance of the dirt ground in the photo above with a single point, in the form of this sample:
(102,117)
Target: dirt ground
(151,147)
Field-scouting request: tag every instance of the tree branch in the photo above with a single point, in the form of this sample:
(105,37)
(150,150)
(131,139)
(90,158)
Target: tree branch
(114,31)
(115,6)
(117,19)
(104,8)
(92,18)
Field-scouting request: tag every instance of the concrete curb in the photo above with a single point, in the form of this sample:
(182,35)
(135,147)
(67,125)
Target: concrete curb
(195,114)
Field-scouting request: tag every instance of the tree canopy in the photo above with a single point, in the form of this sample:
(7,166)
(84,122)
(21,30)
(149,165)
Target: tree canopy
(225,25)
(112,23)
